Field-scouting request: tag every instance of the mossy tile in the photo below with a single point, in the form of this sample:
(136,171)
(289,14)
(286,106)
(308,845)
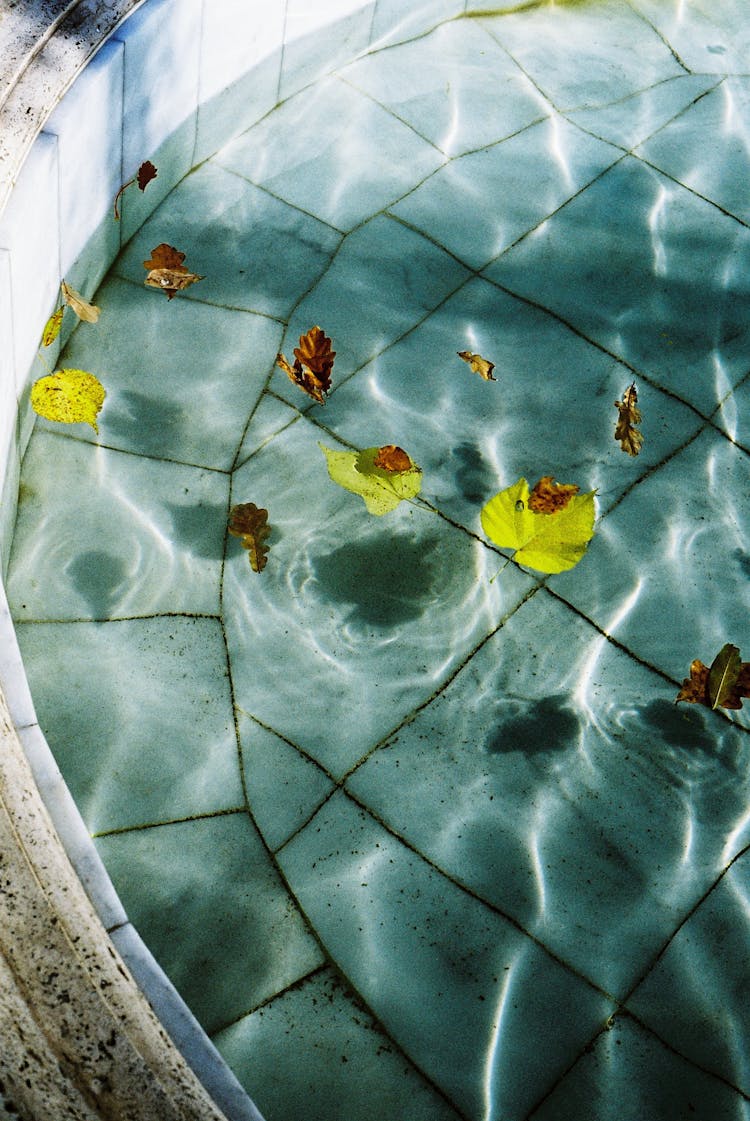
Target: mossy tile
(628,1075)
(550,409)
(254,252)
(181,377)
(209,904)
(335,1063)
(463,993)
(102,534)
(463,90)
(384,280)
(649,271)
(333,152)
(708,964)
(555,778)
(284,787)
(530,175)
(138,715)
(585,54)
(666,573)
(355,619)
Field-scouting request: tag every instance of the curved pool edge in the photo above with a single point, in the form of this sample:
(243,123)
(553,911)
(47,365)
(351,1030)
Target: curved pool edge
(60,165)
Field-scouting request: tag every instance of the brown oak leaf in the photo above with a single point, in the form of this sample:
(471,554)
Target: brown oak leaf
(723,684)
(392,458)
(313,362)
(548,497)
(478,364)
(630,439)
(250,523)
(167,272)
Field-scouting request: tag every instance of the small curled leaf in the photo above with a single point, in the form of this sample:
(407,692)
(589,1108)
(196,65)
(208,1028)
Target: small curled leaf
(478,364)
(89,313)
(313,362)
(167,272)
(52,327)
(250,523)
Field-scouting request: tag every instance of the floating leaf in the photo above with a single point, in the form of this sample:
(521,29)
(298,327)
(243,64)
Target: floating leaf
(52,327)
(381,488)
(722,685)
(547,542)
(478,364)
(167,272)
(68,396)
(250,522)
(547,496)
(146,172)
(631,440)
(392,458)
(88,312)
(313,362)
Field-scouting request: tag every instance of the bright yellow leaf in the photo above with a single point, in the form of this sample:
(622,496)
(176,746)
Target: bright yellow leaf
(68,396)
(52,327)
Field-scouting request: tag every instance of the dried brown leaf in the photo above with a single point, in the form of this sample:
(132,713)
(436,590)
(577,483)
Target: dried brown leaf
(626,432)
(313,362)
(250,523)
(549,497)
(478,364)
(722,685)
(167,272)
(146,172)
(89,313)
(392,458)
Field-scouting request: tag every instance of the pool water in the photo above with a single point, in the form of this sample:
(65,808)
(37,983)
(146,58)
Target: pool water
(415,838)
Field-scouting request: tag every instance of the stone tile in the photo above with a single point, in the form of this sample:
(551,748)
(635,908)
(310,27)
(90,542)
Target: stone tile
(319,37)
(423,954)
(138,716)
(619,263)
(555,779)
(336,1061)
(361,159)
(449,206)
(628,1075)
(708,964)
(149,535)
(463,93)
(211,907)
(708,38)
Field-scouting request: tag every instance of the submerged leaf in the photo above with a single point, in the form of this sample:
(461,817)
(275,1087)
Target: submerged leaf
(89,313)
(146,172)
(167,272)
(478,364)
(392,458)
(381,488)
(52,327)
(722,685)
(631,440)
(313,362)
(548,542)
(250,522)
(68,396)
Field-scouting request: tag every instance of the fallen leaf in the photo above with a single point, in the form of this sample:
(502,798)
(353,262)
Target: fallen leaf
(250,523)
(167,272)
(313,362)
(547,496)
(88,312)
(630,439)
(381,489)
(723,684)
(52,327)
(478,364)
(146,172)
(548,542)
(392,458)
(68,396)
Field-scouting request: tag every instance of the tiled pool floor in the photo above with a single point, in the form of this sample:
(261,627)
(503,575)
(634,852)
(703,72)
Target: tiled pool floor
(413,842)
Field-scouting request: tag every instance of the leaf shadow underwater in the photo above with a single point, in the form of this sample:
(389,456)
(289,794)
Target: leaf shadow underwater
(199,528)
(540,727)
(99,577)
(386,580)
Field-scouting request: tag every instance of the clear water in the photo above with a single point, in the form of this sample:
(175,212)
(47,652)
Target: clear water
(413,842)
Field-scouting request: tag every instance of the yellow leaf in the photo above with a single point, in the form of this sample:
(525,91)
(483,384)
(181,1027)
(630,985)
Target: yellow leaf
(68,396)
(52,327)
(88,312)
(478,364)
